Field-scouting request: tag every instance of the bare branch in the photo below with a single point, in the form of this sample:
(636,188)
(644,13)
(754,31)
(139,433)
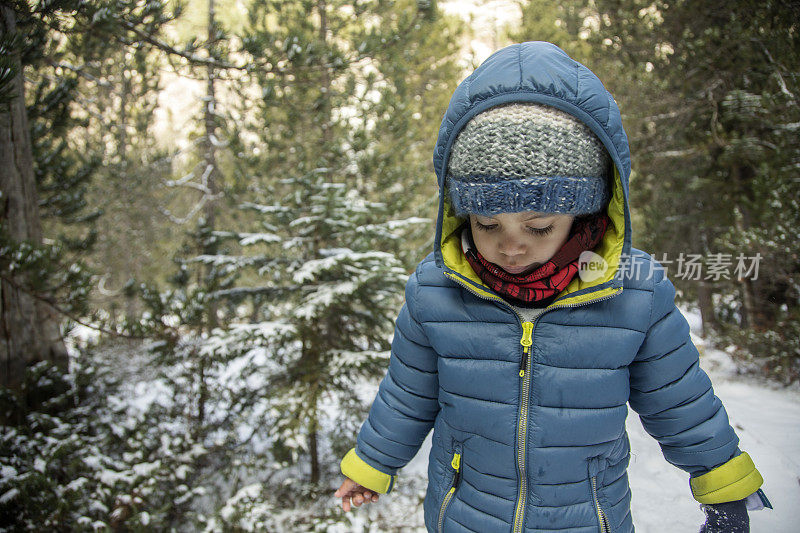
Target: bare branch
(77,70)
(197,207)
(166,47)
(180,181)
(785,90)
(50,302)
(674,153)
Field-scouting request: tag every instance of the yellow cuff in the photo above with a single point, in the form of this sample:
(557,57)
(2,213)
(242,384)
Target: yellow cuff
(366,475)
(733,480)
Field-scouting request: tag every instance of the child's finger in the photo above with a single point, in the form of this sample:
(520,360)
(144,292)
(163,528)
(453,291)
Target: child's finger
(346,503)
(358,499)
(345,488)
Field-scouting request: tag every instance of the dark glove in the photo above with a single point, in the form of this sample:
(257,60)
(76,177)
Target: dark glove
(728,517)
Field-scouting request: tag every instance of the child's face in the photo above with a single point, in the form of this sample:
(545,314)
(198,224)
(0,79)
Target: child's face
(520,242)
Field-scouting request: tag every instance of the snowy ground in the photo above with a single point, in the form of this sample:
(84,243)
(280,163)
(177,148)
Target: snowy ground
(767,420)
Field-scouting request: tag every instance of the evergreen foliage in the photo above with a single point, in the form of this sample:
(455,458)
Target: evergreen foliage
(708,94)
(260,299)
(263,346)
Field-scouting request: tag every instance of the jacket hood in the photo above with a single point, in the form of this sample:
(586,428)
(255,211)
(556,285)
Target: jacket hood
(542,73)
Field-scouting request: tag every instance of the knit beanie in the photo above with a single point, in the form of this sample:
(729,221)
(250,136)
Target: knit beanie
(527,157)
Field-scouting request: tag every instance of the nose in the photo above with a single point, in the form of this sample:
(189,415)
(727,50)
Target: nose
(511,248)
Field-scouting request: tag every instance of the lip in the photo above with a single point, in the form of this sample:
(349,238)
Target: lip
(514,269)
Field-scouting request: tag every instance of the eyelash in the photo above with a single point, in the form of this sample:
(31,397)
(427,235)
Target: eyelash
(535,231)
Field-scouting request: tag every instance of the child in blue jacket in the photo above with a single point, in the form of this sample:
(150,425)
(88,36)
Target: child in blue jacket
(533,324)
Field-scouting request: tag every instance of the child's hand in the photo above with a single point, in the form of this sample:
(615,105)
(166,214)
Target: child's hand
(351,489)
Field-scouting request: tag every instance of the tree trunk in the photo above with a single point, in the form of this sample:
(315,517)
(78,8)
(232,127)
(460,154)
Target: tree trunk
(706,304)
(312,447)
(705,298)
(313,353)
(752,300)
(210,156)
(29,331)
(748,319)
(210,170)
(325,85)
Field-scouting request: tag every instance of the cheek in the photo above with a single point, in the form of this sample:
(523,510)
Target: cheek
(488,244)
(548,246)
(541,247)
(483,243)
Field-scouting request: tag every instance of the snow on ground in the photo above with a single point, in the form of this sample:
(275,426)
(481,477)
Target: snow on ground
(767,420)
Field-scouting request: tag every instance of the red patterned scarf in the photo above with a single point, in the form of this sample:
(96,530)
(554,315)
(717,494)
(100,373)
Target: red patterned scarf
(540,287)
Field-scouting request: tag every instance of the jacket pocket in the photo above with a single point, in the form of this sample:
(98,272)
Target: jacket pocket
(602,518)
(455,478)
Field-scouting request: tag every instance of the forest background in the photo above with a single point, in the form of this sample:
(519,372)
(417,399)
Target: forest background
(210,208)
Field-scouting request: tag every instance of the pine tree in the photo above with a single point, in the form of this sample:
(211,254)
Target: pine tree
(41,175)
(339,291)
(114,113)
(339,88)
(717,158)
(341,94)
(414,57)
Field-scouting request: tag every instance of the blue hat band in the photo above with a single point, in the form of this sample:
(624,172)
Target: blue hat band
(488,196)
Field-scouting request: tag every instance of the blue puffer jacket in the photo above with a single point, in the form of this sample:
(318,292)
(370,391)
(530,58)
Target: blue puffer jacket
(529,417)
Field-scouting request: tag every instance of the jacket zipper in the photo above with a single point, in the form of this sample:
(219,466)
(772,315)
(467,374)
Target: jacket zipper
(602,519)
(604,528)
(522,429)
(526,342)
(456,464)
(525,374)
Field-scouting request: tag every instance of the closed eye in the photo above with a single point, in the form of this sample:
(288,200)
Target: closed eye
(535,231)
(485,227)
(541,231)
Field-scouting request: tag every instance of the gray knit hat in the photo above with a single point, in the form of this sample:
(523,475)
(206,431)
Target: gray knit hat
(527,157)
